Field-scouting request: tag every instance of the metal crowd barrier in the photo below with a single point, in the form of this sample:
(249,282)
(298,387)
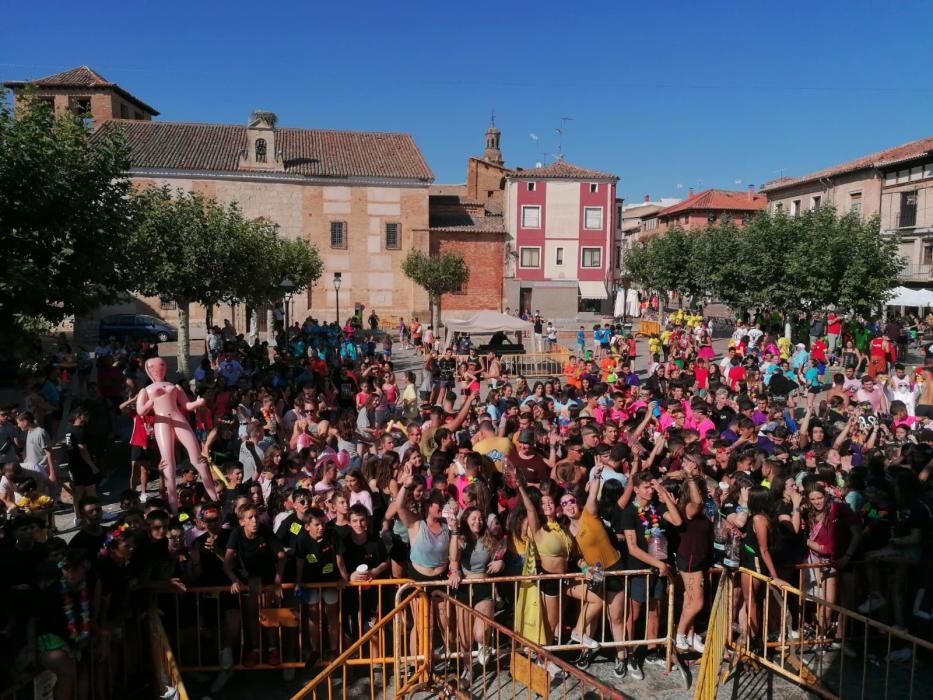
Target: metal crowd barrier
(535,364)
(831,651)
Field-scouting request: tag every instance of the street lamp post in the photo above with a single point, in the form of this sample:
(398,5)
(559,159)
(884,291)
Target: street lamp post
(288,288)
(337,281)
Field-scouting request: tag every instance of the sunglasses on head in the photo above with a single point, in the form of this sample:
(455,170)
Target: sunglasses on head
(568,501)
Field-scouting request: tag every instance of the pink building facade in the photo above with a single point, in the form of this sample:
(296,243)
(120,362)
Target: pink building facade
(561,222)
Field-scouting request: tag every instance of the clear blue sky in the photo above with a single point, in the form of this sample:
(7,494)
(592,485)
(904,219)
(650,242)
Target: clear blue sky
(661,94)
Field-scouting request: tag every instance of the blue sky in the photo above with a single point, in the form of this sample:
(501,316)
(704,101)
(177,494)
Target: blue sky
(662,94)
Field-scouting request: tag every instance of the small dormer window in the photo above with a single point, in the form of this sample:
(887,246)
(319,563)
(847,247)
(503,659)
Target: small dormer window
(260,150)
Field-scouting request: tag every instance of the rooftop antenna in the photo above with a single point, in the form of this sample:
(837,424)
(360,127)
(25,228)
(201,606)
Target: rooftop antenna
(560,137)
(492,117)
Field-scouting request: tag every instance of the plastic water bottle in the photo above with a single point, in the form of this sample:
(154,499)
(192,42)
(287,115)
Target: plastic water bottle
(731,560)
(597,576)
(657,546)
(720,537)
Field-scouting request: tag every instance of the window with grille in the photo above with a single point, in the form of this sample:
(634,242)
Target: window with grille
(338,234)
(530,257)
(592,257)
(167,304)
(855,203)
(393,236)
(531,217)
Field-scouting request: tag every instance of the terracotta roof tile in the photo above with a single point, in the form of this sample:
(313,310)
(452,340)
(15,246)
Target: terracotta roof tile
(889,156)
(80,77)
(719,200)
(309,152)
(467,223)
(561,170)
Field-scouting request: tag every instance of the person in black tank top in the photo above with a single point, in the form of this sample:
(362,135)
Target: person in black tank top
(758,534)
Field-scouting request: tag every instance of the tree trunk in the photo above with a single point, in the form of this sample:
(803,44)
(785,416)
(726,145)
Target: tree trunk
(270,325)
(253,325)
(183,337)
(436,316)
(208,317)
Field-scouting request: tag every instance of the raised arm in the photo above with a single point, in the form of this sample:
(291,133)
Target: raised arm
(534,522)
(143,403)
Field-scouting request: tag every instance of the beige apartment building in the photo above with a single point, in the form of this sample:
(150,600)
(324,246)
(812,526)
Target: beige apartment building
(895,184)
(360,197)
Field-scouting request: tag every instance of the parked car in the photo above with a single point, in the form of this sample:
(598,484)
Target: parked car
(136,327)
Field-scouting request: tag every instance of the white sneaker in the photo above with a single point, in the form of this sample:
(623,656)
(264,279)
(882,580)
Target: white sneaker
(485,655)
(226,658)
(698,645)
(793,634)
(681,643)
(554,671)
(875,601)
(143,497)
(585,640)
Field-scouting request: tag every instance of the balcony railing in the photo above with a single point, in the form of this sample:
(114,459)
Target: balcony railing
(917,272)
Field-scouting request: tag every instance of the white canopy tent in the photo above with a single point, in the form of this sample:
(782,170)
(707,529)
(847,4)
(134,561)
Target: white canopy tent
(485,323)
(903,296)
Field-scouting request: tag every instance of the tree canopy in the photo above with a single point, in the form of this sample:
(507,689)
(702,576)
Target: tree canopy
(775,261)
(193,249)
(66,216)
(437,274)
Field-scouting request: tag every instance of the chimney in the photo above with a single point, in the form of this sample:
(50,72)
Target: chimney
(647,198)
(751,192)
(689,193)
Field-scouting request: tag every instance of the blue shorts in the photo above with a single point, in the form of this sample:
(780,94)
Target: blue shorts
(640,584)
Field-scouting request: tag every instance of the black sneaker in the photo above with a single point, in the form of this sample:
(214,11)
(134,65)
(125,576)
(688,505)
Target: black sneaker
(621,668)
(635,670)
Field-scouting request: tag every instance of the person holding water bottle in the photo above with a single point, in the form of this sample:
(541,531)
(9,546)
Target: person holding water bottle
(643,521)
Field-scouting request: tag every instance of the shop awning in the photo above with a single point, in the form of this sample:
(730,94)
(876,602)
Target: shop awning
(593,290)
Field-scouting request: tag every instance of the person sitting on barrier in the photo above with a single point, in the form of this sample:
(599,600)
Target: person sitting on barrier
(254,558)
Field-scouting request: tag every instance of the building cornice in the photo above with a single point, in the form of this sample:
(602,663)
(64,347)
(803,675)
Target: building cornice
(276,177)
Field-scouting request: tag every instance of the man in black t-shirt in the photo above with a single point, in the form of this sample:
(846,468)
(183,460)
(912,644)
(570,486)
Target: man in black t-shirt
(84,472)
(316,558)
(361,559)
(292,526)
(643,519)
(90,538)
(447,366)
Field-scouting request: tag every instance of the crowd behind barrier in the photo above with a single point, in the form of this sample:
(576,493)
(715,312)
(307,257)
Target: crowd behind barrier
(598,499)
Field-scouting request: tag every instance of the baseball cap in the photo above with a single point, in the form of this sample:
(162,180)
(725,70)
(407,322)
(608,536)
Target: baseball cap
(602,449)
(527,436)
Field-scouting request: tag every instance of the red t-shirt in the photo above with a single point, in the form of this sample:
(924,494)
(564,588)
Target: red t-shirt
(833,325)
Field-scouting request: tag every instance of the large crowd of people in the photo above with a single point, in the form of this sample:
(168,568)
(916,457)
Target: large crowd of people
(329,465)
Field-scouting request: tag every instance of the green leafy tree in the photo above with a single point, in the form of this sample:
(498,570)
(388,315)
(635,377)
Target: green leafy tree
(184,245)
(263,260)
(66,217)
(437,275)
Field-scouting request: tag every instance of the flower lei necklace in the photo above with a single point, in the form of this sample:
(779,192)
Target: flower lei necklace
(71,616)
(649,520)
